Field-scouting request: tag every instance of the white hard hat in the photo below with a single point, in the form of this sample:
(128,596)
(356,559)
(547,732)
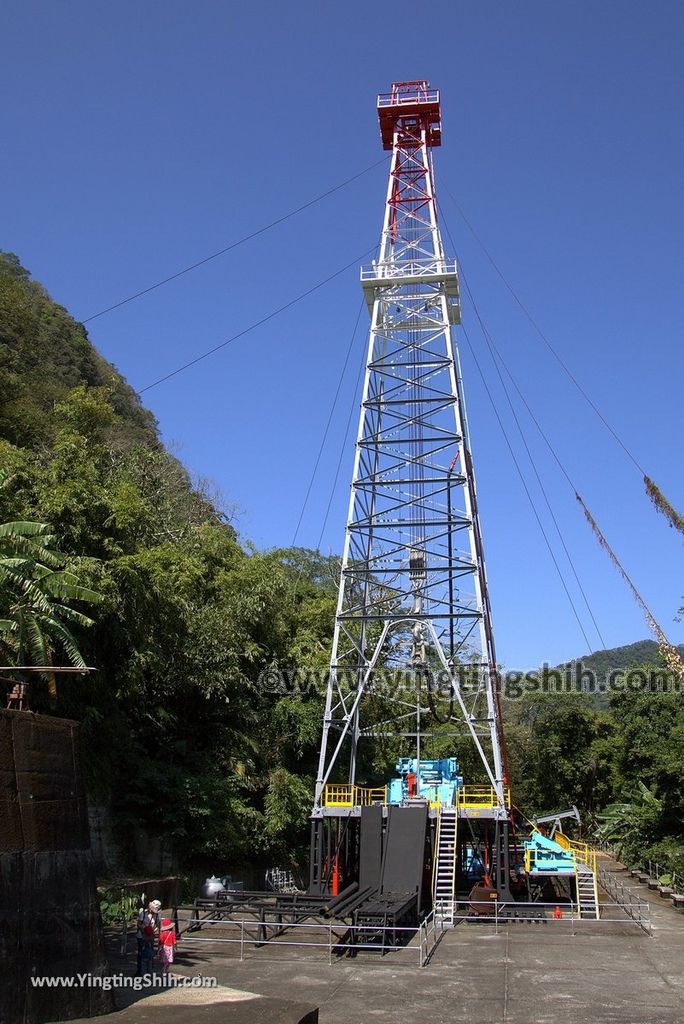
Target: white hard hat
(155,905)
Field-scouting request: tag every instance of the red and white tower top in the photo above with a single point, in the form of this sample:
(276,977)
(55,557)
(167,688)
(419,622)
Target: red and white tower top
(408,110)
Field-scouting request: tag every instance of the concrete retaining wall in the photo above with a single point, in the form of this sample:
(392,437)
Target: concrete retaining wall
(49,914)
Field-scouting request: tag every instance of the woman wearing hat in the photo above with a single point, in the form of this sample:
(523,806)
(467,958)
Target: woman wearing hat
(147,924)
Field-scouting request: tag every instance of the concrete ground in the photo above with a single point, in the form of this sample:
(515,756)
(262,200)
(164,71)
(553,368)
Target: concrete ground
(610,973)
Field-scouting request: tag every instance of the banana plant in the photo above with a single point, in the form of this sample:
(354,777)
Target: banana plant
(36,592)
(628,826)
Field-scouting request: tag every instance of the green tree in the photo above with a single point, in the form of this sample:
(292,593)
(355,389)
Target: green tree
(559,748)
(632,827)
(36,592)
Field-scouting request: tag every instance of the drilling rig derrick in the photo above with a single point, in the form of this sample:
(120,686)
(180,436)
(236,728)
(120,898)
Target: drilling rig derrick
(413,666)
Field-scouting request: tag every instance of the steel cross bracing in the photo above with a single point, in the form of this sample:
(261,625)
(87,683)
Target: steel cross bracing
(412,600)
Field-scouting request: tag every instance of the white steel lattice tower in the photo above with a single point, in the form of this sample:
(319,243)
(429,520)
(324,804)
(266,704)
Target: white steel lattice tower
(413,590)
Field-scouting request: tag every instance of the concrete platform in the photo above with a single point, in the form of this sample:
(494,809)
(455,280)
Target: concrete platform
(525,974)
(210,1006)
(214,1006)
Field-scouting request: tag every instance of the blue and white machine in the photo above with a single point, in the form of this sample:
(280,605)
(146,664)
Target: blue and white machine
(544,856)
(435,781)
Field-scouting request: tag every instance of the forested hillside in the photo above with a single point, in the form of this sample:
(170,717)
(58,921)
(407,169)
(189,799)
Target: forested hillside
(44,354)
(644,652)
(180,735)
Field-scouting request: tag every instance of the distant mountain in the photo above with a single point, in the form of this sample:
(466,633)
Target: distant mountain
(44,353)
(644,652)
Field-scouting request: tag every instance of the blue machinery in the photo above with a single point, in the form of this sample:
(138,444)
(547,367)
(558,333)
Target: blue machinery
(435,781)
(545,856)
(560,856)
(418,812)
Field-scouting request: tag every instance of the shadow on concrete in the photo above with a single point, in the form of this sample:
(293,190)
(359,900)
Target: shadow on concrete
(205,1002)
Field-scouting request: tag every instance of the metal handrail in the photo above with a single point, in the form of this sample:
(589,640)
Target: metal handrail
(338,794)
(428,932)
(657,870)
(407,268)
(249,931)
(652,867)
(481,796)
(390,99)
(627,899)
(498,913)
(583,853)
(430,935)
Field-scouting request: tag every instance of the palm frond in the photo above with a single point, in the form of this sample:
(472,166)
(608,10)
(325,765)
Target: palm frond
(36,640)
(32,593)
(65,585)
(60,633)
(15,563)
(24,528)
(40,591)
(31,549)
(71,615)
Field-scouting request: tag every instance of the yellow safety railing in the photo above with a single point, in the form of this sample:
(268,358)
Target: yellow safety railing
(532,856)
(580,852)
(377,795)
(335,795)
(342,795)
(481,797)
(468,797)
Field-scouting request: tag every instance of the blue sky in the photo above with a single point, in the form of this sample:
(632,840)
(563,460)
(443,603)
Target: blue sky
(142,136)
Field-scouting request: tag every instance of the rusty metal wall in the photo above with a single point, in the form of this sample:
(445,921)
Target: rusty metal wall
(49,913)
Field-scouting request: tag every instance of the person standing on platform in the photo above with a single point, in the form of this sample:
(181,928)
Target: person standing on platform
(147,925)
(167,944)
(412,784)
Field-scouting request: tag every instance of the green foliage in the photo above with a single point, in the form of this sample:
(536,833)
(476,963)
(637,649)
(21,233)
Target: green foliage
(560,749)
(629,827)
(117,906)
(36,596)
(186,623)
(621,766)
(180,737)
(669,852)
(644,652)
(44,353)
(287,807)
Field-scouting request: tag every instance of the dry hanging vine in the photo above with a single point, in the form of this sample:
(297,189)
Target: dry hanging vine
(667,651)
(663,505)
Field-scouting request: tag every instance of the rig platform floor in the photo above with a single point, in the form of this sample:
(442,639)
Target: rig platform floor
(526,974)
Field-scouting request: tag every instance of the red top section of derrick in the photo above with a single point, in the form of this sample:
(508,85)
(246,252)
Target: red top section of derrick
(410,108)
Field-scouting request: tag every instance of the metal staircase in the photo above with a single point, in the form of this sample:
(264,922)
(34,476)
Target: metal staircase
(587,890)
(444,877)
(584,862)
